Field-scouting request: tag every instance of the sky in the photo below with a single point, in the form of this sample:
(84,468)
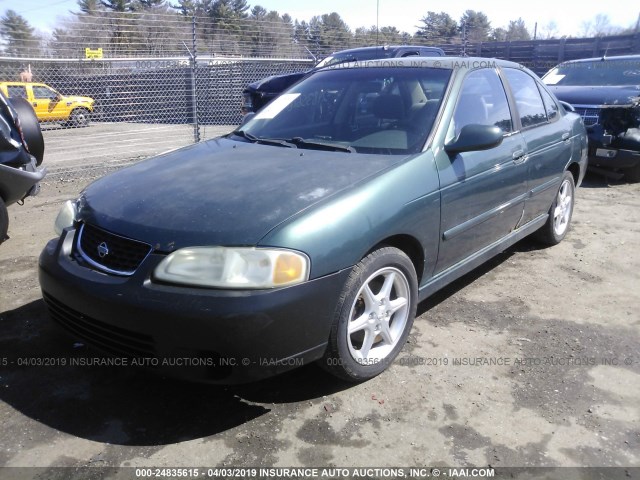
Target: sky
(404,14)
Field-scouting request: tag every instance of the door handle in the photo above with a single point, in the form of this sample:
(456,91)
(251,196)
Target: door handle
(35,104)
(565,136)
(519,156)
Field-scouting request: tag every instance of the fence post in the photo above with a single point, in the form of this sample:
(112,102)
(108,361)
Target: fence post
(561,50)
(596,47)
(194,83)
(635,42)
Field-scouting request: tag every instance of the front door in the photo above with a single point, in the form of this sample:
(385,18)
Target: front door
(46,103)
(482,192)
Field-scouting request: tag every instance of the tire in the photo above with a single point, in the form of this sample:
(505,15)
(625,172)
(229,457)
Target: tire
(632,175)
(374,316)
(4,221)
(79,117)
(557,225)
(30,127)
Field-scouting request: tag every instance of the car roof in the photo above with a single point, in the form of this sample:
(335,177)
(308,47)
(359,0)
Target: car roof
(451,63)
(384,47)
(603,59)
(22,83)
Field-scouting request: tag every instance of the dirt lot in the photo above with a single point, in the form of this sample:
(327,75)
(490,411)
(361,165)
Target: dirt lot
(553,333)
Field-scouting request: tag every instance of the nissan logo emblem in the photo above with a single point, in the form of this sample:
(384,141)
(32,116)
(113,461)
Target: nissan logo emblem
(103,250)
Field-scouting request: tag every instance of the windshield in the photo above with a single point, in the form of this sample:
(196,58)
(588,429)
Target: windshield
(358,110)
(599,72)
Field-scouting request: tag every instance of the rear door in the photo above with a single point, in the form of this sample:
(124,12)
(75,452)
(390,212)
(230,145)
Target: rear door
(15,91)
(48,104)
(547,138)
(482,192)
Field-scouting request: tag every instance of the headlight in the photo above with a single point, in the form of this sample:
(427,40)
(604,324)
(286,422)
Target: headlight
(227,267)
(66,217)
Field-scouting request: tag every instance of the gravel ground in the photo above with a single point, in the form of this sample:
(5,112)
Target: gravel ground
(531,360)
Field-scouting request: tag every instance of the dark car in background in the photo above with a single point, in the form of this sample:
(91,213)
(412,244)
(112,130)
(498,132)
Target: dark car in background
(21,152)
(258,94)
(606,93)
(311,232)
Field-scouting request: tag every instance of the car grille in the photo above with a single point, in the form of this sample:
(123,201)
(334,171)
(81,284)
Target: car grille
(114,340)
(110,252)
(590,116)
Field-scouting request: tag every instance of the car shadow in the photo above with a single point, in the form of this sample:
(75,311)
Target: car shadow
(126,405)
(525,245)
(602,179)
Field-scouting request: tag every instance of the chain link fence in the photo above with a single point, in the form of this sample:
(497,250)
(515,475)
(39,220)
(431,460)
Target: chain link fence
(117,87)
(136,107)
(154,82)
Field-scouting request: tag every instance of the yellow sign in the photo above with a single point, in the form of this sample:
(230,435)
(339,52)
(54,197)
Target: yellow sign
(93,53)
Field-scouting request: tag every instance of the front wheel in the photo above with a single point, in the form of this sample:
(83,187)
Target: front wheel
(4,221)
(79,117)
(374,316)
(557,225)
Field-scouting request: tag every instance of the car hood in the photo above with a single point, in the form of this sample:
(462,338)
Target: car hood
(610,96)
(276,83)
(220,192)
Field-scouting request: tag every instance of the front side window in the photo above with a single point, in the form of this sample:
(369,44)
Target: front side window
(43,92)
(363,110)
(528,100)
(482,101)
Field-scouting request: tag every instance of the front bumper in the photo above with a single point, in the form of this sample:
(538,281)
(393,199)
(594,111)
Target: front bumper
(608,157)
(219,336)
(19,183)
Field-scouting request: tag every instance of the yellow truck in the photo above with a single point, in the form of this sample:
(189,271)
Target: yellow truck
(49,105)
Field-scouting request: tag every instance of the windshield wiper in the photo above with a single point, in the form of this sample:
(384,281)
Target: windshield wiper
(265,141)
(321,145)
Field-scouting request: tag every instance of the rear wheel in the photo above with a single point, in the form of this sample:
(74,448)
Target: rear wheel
(79,117)
(4,221)
(554,231)
(374,316)
(632,174)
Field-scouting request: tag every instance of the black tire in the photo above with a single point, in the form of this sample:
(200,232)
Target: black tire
(557,225)
(4,221)
(385,320)
(30,127)
(80,117)
(632,175)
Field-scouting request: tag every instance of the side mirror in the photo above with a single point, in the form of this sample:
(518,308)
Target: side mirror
(475,137)
(567,106)
(247,117)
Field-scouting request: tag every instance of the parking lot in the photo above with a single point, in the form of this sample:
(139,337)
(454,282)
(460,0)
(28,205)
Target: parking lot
(530,360)
(103,143)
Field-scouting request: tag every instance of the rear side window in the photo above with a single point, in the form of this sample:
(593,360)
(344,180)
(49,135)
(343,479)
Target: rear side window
(17,91)
(528,100)
(549,104)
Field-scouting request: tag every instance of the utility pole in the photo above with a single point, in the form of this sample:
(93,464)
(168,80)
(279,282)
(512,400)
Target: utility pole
(464,39)
(377,21)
